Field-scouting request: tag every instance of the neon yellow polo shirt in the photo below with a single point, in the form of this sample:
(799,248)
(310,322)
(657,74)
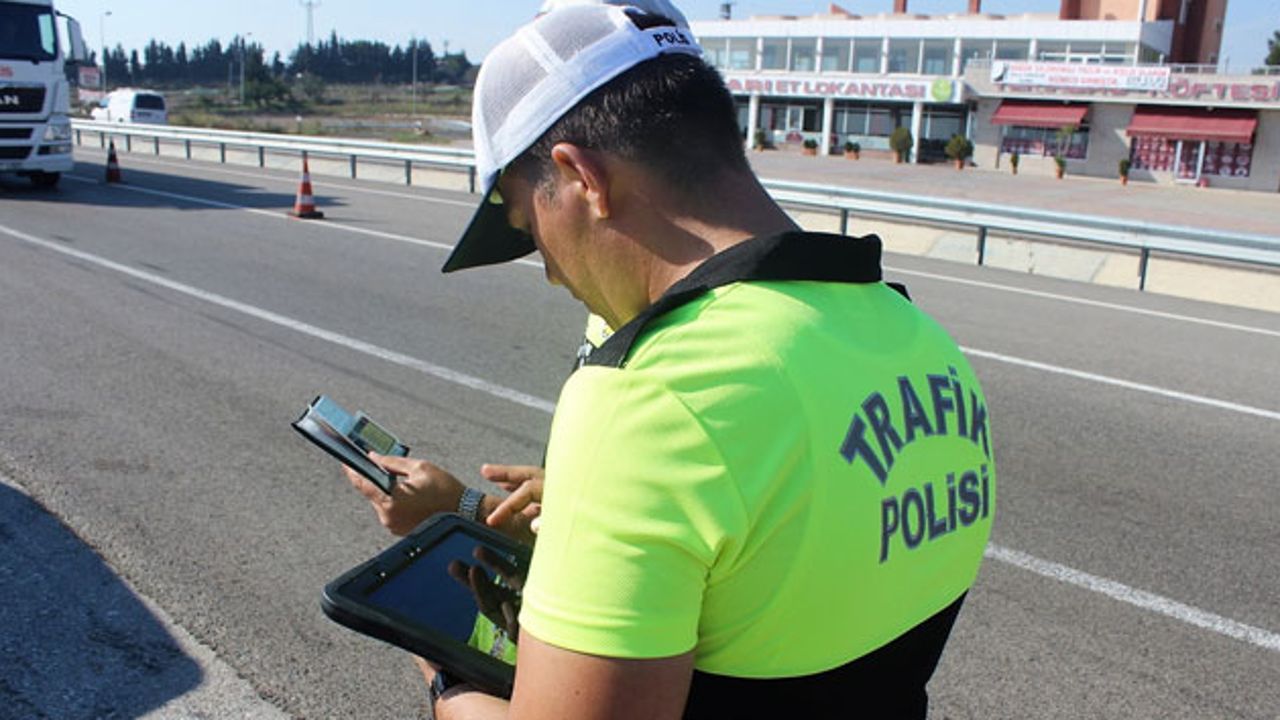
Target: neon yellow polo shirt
(783,477)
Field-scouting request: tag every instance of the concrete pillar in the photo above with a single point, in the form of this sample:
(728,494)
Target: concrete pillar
(753,119)
(828,118)
(957,59)
(917,115)
(884,55)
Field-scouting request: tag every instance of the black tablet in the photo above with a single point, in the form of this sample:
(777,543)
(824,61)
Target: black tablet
(449,592)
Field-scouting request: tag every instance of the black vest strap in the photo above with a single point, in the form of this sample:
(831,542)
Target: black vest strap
(819,257)
(889,683)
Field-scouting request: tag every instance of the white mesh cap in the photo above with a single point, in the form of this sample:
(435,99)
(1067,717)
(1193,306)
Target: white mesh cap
(530,81)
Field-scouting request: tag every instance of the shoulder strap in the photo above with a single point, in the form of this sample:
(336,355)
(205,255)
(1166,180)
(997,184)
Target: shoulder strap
(820,257)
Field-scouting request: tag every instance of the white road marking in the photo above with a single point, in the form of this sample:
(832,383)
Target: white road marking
(281,215)
(1086,301)
(1127,384)
(1138,598)
(1117,591)
(391,356)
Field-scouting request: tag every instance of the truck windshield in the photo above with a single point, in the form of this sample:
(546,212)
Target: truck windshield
(27,32)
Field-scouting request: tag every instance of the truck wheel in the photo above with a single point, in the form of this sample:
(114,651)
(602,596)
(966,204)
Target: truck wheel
(45,179)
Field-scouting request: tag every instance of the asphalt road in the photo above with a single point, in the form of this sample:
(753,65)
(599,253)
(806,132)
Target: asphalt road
(156,339)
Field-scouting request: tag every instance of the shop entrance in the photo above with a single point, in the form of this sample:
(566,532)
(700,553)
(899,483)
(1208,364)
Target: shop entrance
(1190,160)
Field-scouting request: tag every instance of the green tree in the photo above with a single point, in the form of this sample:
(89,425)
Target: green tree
(1273,49)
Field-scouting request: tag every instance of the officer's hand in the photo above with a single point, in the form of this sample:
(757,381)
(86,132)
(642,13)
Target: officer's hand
(421,490)
(499,602)
(524,482)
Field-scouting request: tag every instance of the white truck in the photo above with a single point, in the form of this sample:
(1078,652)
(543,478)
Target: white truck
(35,96)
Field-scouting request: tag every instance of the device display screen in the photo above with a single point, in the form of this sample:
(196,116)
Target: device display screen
(462,587)
(370,436)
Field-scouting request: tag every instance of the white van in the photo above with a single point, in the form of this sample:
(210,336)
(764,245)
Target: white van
(128,105)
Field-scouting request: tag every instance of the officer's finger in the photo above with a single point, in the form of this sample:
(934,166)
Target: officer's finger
(514,503)
(394,464)
(509,476)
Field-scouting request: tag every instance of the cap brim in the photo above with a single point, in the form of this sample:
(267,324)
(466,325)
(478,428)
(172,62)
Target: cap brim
(488,239)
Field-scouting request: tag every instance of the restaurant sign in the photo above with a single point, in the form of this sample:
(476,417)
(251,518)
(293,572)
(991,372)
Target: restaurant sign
(1081,75)
(939,90)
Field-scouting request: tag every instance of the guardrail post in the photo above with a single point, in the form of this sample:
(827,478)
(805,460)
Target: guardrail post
(982,244)
(79,140)
(471,178)
(353,167)
(408,172)
(157,145)
(262,157)
(102,139)
(844,221)
(222,153)
(1143,259)
(128,143)
(187,145)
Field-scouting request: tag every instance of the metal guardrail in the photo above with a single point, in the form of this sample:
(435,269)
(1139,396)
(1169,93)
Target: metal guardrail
(353,150)
(983,218)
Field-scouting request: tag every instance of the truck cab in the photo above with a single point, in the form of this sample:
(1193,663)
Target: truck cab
(35,97)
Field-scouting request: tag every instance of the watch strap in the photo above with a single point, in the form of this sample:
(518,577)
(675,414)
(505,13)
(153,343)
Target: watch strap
(469,505)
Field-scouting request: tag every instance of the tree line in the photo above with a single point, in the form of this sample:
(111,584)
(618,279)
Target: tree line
(334,60)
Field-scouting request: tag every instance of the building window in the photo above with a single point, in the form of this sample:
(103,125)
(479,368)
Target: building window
(742,54)
(904,56)
(1045,141)
(937,57)
(804,53)
(773,55)
(716,52)
(975,50)
(1051,51)
(850,120)
(866,56)
(1183,157)
(835,55)
(1013,49)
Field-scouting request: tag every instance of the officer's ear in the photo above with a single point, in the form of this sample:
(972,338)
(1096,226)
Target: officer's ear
(584,173)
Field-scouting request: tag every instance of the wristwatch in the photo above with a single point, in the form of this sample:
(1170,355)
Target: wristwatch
(439,685)
(469,505)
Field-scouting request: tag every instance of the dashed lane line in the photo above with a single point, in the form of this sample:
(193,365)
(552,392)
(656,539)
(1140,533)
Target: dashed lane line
(1109,588)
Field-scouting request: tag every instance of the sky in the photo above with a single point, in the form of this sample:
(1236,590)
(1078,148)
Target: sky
(280,25)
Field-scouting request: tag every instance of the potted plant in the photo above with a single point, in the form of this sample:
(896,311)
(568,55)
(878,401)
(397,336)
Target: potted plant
(1013,163)
(1124,171)
(852,150)
(959,148)
(759,141)
(900,143)
(1061,164)
(810,146)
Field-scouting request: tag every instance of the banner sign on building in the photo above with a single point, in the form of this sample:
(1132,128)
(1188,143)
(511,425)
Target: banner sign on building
(1081,75)
(939,90)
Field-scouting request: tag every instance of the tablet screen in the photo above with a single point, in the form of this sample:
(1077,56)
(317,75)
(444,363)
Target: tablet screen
(462,587)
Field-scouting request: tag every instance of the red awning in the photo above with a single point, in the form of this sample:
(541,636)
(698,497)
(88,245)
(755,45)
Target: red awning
(1175,123)
(1032,114)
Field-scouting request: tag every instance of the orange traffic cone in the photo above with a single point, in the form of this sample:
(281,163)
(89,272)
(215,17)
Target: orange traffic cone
(305,206)
(113,165)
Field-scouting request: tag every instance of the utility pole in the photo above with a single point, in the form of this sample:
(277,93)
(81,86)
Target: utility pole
(414,112)
(242,49)
(102,35)
(311,6)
